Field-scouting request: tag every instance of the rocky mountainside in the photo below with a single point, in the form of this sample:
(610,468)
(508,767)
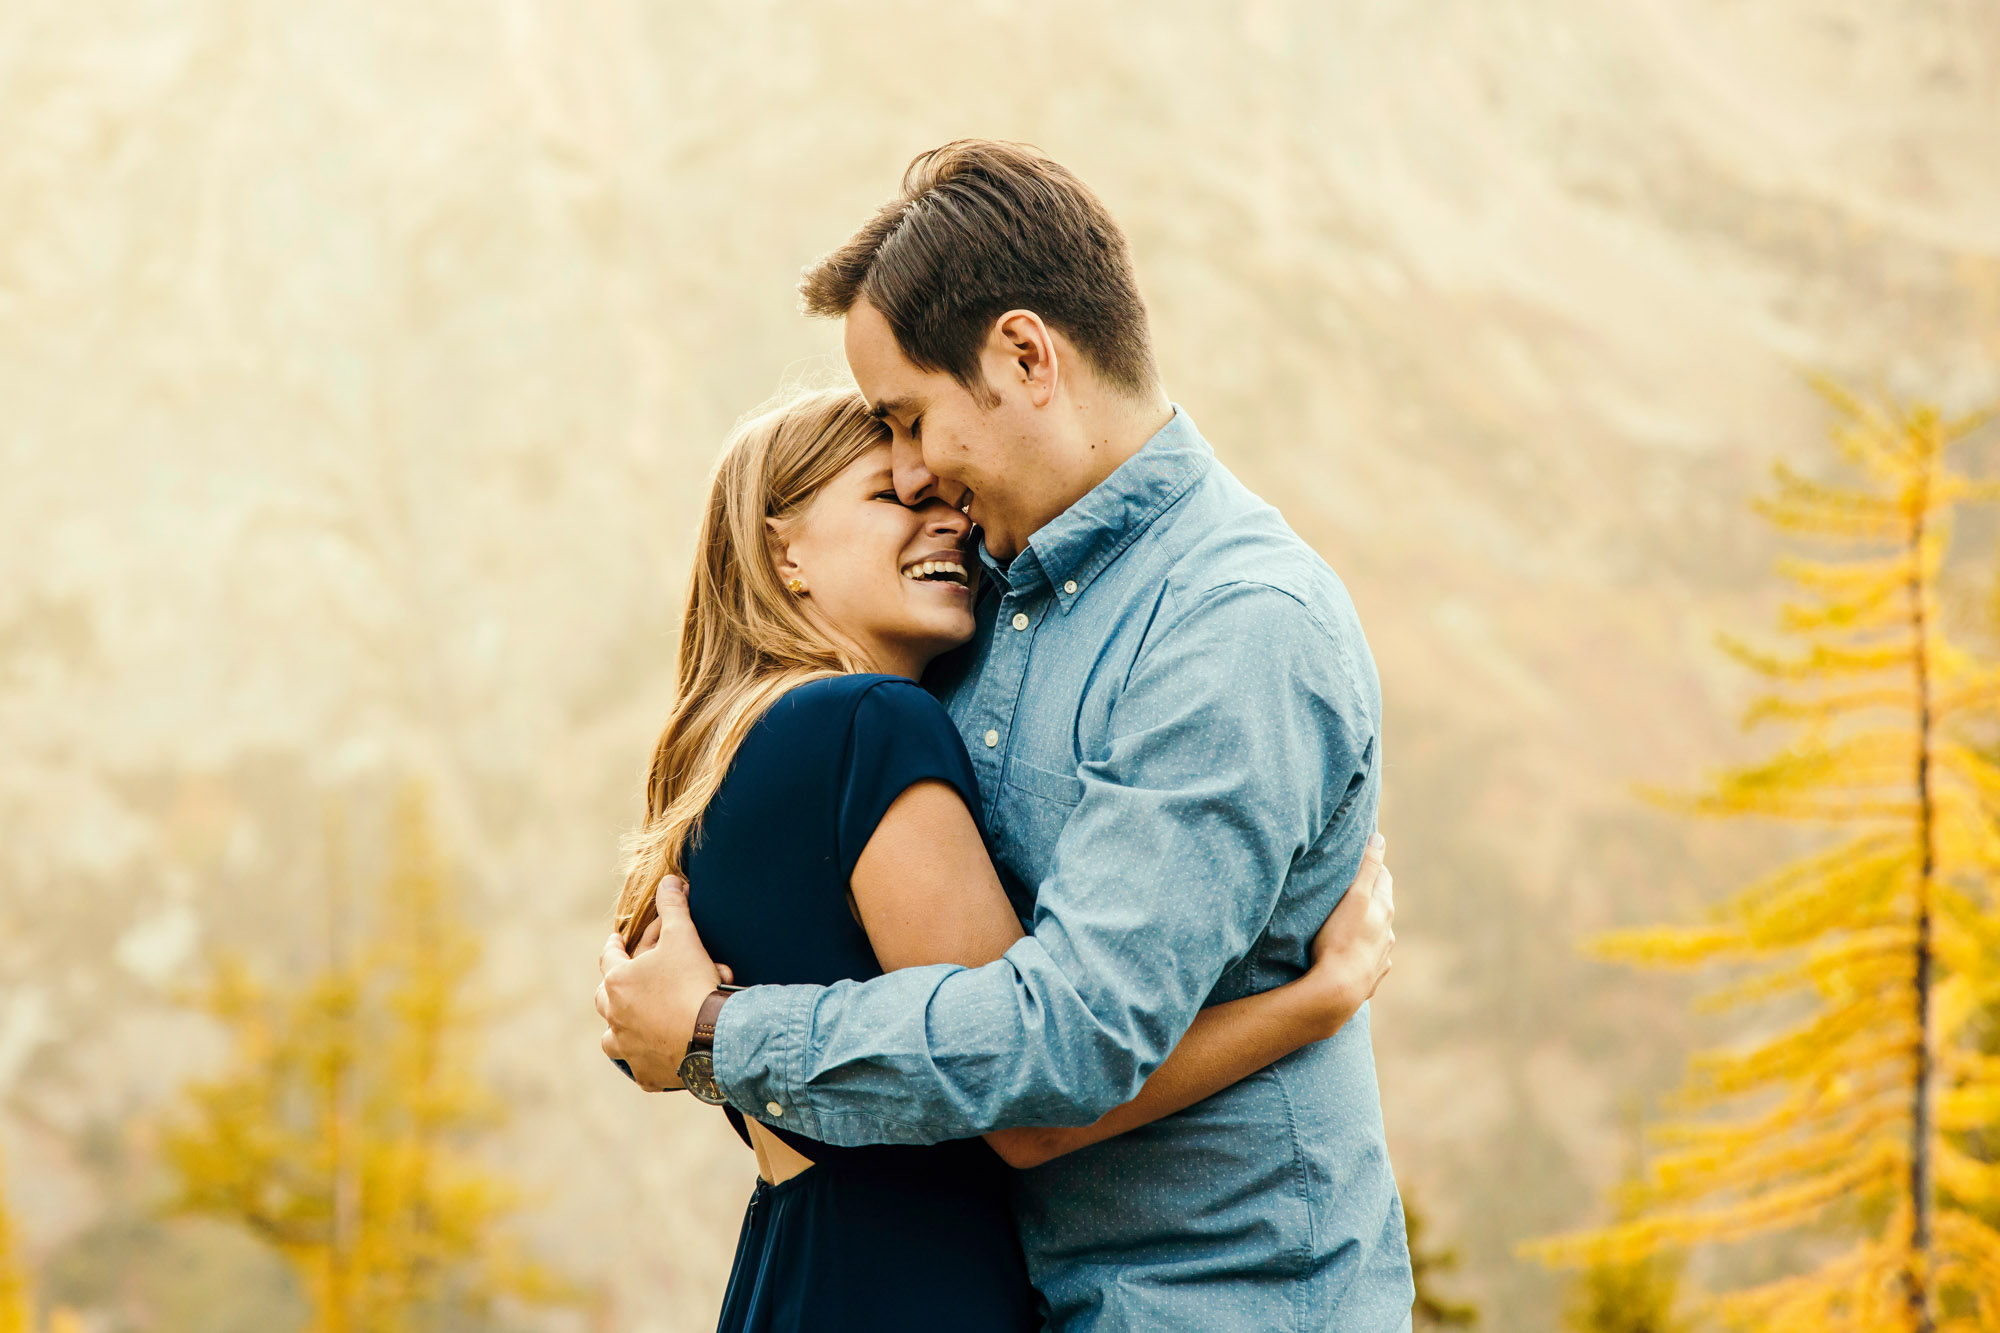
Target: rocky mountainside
(362,364)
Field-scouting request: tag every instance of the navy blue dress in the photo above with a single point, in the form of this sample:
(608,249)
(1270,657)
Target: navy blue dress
(879,1238)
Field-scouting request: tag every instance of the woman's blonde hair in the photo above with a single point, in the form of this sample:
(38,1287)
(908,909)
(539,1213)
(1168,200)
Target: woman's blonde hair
(745,640)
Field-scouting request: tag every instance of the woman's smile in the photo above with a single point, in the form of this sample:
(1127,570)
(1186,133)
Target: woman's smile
(945,569)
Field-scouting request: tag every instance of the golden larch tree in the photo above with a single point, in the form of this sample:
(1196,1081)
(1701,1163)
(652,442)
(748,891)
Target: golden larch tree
(1848,1116)
(17,1293)
(342,1133)
(1617,1294)
(1626,1296)
(16,1312)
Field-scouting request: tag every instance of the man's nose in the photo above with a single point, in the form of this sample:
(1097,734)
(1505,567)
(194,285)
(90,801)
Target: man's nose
(915,482)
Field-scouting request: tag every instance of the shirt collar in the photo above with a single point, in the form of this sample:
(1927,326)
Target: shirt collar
(1075,546)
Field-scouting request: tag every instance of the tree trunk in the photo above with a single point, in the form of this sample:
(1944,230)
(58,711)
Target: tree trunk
(1917,1274)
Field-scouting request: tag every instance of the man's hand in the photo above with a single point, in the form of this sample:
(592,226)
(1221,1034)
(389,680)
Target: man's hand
(649,999)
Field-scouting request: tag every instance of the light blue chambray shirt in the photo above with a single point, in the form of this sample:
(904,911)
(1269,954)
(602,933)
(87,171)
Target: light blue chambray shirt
(1176,724)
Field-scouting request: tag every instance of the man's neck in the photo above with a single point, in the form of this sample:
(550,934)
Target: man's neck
(1114,428)
(1105,429)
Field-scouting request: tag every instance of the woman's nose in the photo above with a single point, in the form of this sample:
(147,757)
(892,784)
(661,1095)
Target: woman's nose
(941,520)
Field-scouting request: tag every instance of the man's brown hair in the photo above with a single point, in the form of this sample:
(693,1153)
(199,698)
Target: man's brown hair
(980,228)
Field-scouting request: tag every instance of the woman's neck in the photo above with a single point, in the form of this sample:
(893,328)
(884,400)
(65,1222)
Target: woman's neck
(887,659)
(909,665)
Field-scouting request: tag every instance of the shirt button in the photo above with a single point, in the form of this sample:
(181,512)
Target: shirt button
(992,739)
(774,1108)
(1070,586)
(1020,620)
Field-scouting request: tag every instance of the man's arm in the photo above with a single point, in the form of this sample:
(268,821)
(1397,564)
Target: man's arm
(1227,1043)
(1242,730)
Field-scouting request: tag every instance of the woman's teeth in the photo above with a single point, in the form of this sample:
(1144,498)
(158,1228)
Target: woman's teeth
(927,569)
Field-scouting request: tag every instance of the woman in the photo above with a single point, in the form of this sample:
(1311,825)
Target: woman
(803,769)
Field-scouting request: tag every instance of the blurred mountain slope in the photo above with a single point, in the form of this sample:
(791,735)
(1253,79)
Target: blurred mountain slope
(362,365)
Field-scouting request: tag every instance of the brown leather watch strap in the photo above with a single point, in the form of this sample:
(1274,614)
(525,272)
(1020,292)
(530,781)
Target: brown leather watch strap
(704,1021)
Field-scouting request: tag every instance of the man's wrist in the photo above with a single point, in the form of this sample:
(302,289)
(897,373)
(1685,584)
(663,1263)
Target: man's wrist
(705,1015)
(697,1066)
(761,1038)
(685,1014)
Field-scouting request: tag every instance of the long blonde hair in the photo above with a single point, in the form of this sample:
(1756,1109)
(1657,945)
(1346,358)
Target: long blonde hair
(745,640)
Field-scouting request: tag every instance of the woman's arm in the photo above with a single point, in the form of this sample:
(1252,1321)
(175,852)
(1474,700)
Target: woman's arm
(926,892)
(1229,1042)
(924,888)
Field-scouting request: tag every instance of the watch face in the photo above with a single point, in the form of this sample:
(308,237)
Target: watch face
(698,1077)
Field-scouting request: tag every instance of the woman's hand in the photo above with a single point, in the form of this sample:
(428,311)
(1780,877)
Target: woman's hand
(1350,954)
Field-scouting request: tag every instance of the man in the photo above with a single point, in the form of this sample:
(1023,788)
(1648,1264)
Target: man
(1175,722)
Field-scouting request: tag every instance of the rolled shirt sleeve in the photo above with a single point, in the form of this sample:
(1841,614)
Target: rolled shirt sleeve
(1241,733)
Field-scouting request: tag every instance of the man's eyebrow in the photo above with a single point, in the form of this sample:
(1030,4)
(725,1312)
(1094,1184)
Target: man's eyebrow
(890,406)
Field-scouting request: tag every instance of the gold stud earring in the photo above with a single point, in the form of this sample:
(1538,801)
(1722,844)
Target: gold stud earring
(796,587)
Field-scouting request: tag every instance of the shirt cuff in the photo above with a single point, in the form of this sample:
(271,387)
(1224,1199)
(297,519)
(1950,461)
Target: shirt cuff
(760,1049)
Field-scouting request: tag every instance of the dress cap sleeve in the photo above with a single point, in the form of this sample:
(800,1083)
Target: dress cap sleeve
(899,736)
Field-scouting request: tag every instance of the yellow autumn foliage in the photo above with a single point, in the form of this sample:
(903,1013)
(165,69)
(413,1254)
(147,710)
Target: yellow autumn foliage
(343,1131)
(1880,947)
(16,1312)
(17,1296)
(1628,1295)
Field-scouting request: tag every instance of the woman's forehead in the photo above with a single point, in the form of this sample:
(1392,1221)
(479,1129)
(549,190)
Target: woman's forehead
(871,462)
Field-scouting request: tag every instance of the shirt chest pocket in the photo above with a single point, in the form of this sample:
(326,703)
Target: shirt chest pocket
(1035,803)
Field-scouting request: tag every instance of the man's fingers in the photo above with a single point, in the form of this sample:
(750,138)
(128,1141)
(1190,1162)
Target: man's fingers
(609,1043)
(650,938)
(613,954)
(727,977)
(670,900)
(603,1003)
(1385,890)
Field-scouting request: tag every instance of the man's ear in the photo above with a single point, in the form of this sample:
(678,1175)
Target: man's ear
(1021,354)
(780,549)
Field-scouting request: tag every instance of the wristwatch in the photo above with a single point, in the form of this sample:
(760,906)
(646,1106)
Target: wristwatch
(698,1065)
